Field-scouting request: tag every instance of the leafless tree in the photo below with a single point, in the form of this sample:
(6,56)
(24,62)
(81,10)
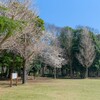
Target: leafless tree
(86,54)
(23,41)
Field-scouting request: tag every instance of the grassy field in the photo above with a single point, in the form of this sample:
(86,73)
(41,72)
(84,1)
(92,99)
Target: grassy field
(62,89)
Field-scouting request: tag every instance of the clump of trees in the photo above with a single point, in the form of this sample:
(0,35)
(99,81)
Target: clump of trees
(81,48)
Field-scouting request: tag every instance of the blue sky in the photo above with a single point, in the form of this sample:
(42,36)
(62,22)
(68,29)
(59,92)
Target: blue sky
(70,12)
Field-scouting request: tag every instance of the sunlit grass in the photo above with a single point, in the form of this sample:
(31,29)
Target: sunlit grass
(62,89)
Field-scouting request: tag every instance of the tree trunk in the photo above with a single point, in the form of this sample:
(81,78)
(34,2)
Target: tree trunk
(24,77)
(24,62)
(55,72)
(71,71)
(43,70)
(86,73)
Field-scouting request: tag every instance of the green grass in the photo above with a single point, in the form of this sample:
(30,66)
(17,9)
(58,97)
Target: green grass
(62,89)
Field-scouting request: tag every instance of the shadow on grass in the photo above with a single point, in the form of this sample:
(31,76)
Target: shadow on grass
(6,83)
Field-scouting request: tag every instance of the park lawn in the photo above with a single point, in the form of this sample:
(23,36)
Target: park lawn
(59,89)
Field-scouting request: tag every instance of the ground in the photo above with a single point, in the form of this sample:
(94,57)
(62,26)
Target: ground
(50,89)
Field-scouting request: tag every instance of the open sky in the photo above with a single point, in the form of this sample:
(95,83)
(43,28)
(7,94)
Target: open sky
(70,12)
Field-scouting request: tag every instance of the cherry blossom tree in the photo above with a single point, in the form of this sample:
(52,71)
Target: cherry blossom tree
(50,51)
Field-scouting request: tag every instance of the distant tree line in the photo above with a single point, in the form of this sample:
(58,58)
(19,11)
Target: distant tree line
(78,51)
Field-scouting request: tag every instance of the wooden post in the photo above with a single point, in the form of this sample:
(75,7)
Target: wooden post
(11,80)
